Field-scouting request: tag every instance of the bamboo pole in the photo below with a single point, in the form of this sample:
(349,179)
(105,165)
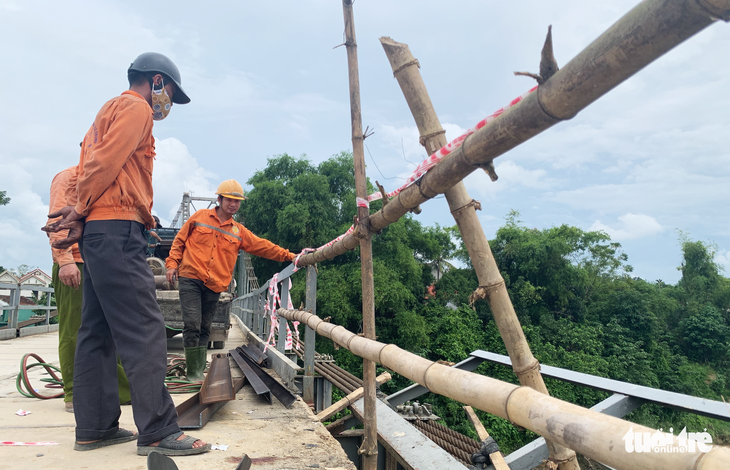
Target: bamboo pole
(327,413)
(496,458)
(645,33)
(598,436)
(463,207)
(369,447)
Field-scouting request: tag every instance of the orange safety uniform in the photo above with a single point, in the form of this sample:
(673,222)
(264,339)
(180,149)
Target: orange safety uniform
(58,201)
(206,249)
(114,175)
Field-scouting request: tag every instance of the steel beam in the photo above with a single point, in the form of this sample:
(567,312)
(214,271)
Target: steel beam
(678,401)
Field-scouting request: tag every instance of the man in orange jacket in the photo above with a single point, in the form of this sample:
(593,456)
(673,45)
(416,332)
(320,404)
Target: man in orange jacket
(112,191)
(67,279)
(203,255)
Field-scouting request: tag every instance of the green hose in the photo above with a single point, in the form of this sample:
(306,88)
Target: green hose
(53,382)
(173,379)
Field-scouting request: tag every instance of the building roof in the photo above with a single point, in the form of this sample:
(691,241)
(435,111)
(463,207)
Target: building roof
(38,274)
(23,300)
(8,273)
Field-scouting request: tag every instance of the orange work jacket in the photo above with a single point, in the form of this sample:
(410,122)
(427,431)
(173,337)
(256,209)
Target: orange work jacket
(114,175)
(206,249)
(58,201)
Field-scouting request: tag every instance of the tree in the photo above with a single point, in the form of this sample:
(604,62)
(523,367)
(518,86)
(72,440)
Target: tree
(705,335)
(700,274)
(22,270)
(4,200)
(555,271)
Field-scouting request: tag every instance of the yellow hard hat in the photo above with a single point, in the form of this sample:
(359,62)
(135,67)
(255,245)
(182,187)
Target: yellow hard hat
(231,189)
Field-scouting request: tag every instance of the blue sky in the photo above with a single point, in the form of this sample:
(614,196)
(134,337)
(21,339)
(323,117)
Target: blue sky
(265,78)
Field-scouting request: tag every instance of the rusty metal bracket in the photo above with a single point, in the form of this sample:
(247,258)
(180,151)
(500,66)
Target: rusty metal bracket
(191,414)
(218,384)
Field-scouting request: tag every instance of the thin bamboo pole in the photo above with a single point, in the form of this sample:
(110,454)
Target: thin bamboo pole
(598,436)
(645,33)
(369,447)
(463,207)
(335,408)
(496,457)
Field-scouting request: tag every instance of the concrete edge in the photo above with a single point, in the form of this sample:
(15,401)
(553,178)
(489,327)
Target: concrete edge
(37,330)
(8,333)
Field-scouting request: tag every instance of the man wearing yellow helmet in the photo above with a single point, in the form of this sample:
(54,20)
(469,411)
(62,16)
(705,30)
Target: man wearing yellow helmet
(203,256)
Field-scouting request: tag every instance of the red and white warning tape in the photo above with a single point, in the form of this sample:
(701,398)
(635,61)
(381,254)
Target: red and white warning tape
(270,307)
(274,294)
(39,443)
(431,161)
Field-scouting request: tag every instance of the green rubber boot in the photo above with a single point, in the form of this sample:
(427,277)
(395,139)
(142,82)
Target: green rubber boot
(195,362)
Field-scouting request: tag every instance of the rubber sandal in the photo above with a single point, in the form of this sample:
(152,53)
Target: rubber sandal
(158,461)
(171,446)
(122,435)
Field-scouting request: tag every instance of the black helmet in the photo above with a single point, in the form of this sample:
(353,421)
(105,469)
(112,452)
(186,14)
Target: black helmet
(156,62)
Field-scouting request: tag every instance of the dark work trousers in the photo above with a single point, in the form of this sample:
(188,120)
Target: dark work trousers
(198,304)
(120,315)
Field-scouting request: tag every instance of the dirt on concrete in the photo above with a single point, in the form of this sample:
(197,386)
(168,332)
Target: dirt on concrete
(275,438)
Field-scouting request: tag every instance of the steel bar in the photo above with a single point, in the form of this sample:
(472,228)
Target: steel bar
(191,414)
(591,433)
(452,437)
(352,381)
(412,448)
(458,452)
(278,390)
(326,414)
(641,36)
(463,208)
(257,384)
(334,379)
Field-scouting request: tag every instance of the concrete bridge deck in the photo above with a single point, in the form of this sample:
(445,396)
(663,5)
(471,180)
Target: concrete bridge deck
(275,438)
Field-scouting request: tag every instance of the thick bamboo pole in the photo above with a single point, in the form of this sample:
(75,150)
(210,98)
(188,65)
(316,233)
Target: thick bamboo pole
(593,434)
(369,448)
(645,33)
(463,207)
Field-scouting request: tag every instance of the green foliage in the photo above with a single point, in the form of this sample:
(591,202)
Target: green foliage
(4,200)
(571,289)
(705,335)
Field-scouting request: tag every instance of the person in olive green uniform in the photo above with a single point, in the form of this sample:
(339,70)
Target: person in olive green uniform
(67,281)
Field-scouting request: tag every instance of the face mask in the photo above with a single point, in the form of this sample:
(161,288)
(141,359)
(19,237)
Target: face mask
(161,103)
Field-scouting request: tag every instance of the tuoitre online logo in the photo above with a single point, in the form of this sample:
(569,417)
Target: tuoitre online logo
(667,442)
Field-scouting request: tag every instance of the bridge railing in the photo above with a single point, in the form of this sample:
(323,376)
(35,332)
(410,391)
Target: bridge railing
(14,327)
(251,310)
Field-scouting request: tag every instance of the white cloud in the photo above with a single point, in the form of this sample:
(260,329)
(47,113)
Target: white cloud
(722,258)
(511,177)
(20,221)
(631,226)
(177,171)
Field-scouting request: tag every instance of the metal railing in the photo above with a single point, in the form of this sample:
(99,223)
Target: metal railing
(15,328)
(250,309)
